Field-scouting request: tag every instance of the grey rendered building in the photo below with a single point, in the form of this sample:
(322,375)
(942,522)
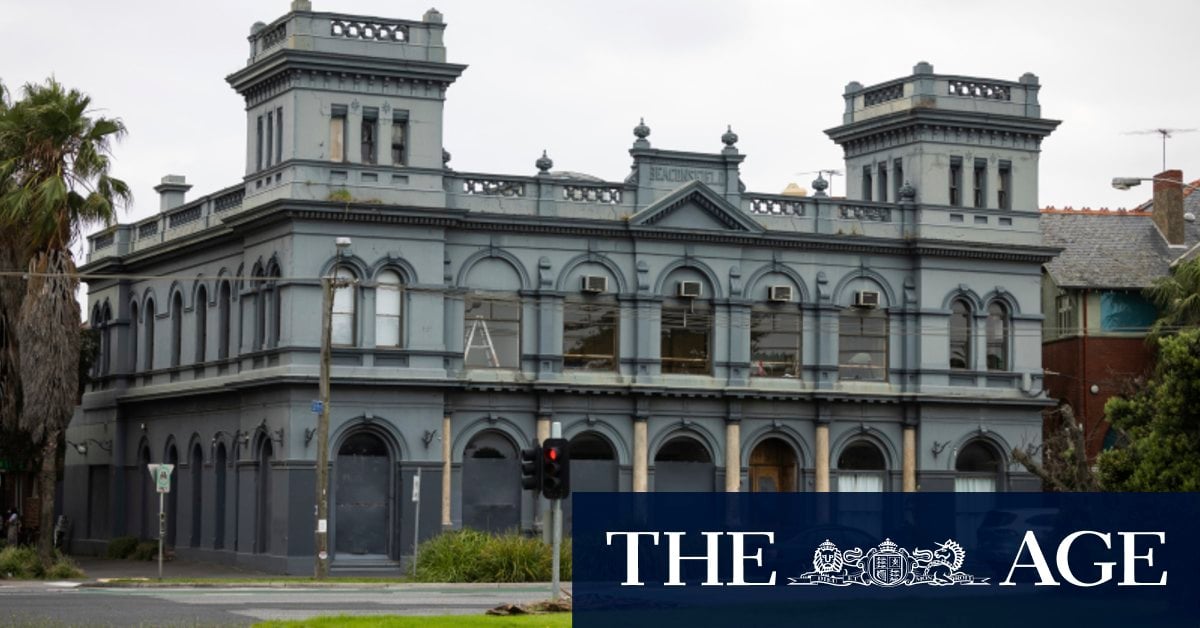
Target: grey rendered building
(688,334)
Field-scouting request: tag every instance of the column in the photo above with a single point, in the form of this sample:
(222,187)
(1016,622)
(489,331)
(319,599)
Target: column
(447,523)
(909,465)
(733,456)
(640,468)
(822,453)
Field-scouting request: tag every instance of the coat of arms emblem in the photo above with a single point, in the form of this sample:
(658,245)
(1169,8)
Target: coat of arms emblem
(888,565)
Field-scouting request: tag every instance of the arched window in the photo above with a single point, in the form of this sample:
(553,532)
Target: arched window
(225,314)
(861,468)
(176,329)
(344,298)
(978,466)
(960,335)
(133,337)
(276,309)
(201,324)
(997,337)
(260,310)
(388,309)
(105,339)
(149,328)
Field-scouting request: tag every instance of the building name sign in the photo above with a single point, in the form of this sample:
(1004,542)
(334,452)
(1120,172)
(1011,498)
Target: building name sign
(680,174)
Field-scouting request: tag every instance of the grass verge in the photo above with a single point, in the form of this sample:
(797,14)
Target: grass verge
(557,620)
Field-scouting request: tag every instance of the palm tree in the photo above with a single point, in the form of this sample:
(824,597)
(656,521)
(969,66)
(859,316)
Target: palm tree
(1177,297)
(55,159)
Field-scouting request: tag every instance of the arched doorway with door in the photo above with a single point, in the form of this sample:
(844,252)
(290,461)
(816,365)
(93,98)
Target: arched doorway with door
(978,468)
(684,464)
(172,458)
(774,467)
(491,490)
(264,496)
(363,495)
(197,506)
(594,468)
(219,479)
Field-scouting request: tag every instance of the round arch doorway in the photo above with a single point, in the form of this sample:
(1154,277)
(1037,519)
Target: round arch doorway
(362,497)
(774,467)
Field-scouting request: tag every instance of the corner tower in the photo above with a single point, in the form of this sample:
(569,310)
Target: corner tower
(343,107)
(959,141)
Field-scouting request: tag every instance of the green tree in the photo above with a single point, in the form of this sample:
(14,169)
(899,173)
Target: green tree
(54,160)
(1177,297)
(1159,424)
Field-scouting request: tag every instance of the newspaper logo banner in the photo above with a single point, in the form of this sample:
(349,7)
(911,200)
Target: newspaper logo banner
(887,565)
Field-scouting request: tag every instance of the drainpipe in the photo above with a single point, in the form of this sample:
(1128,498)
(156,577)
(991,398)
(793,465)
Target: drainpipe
(1081,411)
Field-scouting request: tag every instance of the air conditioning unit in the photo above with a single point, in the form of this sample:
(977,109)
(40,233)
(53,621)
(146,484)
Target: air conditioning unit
(689,289)
(595,284)
(782,294)
(866,299)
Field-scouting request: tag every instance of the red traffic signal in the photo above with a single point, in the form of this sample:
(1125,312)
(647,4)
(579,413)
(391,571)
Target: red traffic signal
(556,468)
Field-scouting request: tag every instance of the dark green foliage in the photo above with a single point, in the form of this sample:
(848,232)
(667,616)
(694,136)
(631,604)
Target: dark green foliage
(473,556)
(121,547)
(20,563)
(146,550)
(1160,424)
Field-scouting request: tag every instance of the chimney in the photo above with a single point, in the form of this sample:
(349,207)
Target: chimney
(174,186)
(1168,205)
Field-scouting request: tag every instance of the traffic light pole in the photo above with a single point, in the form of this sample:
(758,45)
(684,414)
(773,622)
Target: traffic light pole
(556,514)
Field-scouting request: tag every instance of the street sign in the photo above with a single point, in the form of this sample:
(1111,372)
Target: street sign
(317,407)
(416,489)
(162,476)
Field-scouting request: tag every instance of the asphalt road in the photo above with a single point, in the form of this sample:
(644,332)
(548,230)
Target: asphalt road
(47,604)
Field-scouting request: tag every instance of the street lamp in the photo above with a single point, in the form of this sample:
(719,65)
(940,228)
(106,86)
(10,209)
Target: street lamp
(1124,183)
(329,283)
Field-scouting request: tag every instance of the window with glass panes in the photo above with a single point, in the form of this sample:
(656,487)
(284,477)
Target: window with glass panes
(997,337)
(863,345)
(492,331)
(686,337)
(774,342)
(388,308)
(590,333)
(960,335)
(344,297)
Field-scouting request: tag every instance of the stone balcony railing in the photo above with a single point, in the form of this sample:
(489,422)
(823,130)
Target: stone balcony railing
(188,218)
(351,34)
(926,90)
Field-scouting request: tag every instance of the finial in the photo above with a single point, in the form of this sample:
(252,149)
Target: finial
(432,16)
(908,193)
(729,137)
(641,130)
(544,163)
(820,185)
(445,157)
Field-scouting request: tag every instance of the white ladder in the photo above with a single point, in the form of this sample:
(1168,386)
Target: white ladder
(478,324)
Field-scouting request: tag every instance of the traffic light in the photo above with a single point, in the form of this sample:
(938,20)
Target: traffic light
(556,469)
(531,469)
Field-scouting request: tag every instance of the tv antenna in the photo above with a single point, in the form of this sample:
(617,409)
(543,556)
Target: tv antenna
(831,172)
(1166,134)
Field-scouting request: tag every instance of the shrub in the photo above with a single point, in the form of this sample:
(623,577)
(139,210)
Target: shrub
(146,550)
(20,562)
(473,556)
(64,568)
(121,547)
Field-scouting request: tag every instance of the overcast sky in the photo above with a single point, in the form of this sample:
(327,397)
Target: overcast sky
(573,77)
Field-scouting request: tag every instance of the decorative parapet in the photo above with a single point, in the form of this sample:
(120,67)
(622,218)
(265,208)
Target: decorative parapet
(605,194)
(926,91)
(184,216)
(972,88)
(493,186)
(103,240)
(368,29)
(148,229)
(229,200)
(868,213)
(776,205)
(884,93)
(176,223)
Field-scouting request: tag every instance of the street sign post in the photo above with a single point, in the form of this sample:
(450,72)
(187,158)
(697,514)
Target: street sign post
(161,473)
(416,497)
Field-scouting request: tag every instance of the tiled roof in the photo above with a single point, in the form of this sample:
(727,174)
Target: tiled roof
(1112,249)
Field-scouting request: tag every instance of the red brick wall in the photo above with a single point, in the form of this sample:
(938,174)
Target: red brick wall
(1110,364)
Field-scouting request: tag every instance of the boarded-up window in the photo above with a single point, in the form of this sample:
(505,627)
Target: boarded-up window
(337,136)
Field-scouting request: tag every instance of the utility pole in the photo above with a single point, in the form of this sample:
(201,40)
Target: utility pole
(328,284)
(322,497)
